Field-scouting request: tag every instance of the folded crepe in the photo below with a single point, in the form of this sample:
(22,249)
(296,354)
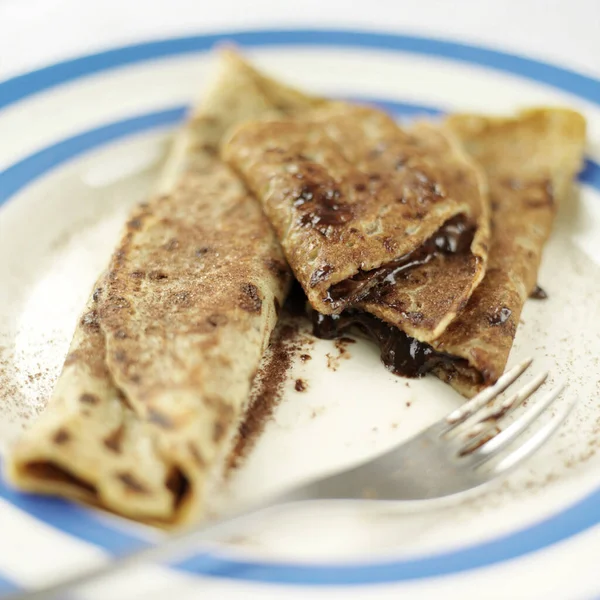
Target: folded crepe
(530,161)
(158,374)
(370,216)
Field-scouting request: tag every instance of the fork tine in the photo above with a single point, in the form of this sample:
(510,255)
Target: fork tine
(467,410)
(487,419)
(535,441)
(514,430)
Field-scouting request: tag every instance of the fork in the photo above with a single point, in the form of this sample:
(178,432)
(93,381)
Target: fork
(449,458)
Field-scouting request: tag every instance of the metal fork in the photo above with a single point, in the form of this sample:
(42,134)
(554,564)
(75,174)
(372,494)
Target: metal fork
(450,458)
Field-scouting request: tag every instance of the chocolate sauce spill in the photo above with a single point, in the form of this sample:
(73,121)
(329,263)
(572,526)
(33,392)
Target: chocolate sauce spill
(400,353)
(454,237)
(538,293)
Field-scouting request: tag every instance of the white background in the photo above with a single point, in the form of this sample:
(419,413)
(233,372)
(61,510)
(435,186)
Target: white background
(37,32)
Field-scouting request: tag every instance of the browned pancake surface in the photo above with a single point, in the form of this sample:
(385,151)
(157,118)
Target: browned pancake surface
(530,161)
(425,299)
(159,371)
(348,191)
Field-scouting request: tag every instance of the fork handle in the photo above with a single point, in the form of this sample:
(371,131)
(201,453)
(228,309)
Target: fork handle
(177,545)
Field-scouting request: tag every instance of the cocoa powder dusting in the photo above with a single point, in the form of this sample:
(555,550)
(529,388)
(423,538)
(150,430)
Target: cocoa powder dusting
(287,342)
(341,345)
(300,385)
(23,393)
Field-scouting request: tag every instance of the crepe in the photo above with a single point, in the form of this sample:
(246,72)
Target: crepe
(530,161)
(423,300)
(158,374)
(359,203)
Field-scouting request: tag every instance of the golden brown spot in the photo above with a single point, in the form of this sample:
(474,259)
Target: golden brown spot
(250,299)
(157,275)
(72,357)
(135,224)
(389,244)
(90,320)
(117,303)
(172,244)
(216,320)
(155,416)
(89,399)
(120,356)
(202,251)
(210,149)
(195,453)
(277,267)
(131,483)
(218,431)
(182,298)
(114,440)
(62,436)
(415,317)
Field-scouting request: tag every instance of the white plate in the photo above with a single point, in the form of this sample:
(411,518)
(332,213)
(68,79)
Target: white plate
(81,142)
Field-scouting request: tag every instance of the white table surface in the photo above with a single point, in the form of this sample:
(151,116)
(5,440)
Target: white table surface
(38,32)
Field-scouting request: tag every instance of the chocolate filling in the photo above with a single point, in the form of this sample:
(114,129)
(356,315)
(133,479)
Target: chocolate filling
(454,237)
(400,353)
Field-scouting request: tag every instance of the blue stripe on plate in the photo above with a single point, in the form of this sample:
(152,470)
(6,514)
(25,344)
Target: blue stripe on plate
(20,87)
(17,176)
(13,178)
(20,174)
(7,586)
(72,519)
(113,537)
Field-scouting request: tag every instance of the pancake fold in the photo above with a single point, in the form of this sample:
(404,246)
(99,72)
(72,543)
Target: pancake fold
(371,216)
(158,375)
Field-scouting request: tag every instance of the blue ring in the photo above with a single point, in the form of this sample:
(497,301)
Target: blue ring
(26,85)
(88,526)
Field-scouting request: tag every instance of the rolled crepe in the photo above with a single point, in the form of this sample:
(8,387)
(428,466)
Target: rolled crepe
(158,374)
(530,161)
(370,216)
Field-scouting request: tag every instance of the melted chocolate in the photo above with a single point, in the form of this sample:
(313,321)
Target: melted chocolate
(538,293)
(500,316)
(400,353)
(321,206)
(454,237)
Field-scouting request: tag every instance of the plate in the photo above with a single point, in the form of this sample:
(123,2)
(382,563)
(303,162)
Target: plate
(83,141)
